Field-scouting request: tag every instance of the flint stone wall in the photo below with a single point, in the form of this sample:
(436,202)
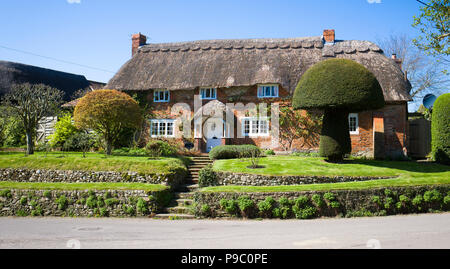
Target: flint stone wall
(17,202)
(41,175)
(229,178)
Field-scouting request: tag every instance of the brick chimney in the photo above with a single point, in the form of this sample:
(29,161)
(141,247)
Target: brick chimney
(396,60)
(137,41)
(328,36)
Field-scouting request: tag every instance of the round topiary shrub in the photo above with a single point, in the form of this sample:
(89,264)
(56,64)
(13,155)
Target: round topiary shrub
(440,129)
(338,86)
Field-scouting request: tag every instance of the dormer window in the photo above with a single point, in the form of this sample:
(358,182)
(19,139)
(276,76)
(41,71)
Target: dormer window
(161,96)
(208,93)
(267,90)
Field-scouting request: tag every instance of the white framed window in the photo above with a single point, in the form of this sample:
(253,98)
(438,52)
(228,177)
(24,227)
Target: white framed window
(267,90)
(353,123)
(255,126)
(162,128)
(161,96)
(208,93)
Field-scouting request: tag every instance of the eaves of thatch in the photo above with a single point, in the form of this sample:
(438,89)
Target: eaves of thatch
(246,62)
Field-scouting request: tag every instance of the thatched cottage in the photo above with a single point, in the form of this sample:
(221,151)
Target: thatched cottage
(258,71)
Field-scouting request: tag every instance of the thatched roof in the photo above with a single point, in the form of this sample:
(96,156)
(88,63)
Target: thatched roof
(246,62)
(11,73)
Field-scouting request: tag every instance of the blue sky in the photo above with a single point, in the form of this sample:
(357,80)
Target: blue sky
(97,33)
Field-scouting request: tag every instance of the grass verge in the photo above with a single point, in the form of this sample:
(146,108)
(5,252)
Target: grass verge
(93,162)
(80,186)
(380,183)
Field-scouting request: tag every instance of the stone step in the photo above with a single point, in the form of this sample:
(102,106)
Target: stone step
(184,202)
(183,195)
(178,210)
(187,188)
(173,216)
(194,169)
(200,164)
(197,165)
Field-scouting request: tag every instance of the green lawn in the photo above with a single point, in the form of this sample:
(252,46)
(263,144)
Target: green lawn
(314,166)
(93,162)
(406,173)
(80,186)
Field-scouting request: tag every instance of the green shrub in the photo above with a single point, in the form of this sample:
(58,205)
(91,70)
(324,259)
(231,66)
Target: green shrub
(377,200)
(158,148)
(47,194)
(230,206)
(234,151)
(433,196)
(130,210)
(62,202)
(207,176)
(359,213)
(21,213)
(335,204)
(269,152)
(64,128)
(317,200)
(266,207)
(37,211)
(283,201)
(100,202)
(103,212)
(111,201)
(142,206)
(80,141)
(301,201)
(23,200)
(91,201)
(440,130)
(447,200)
(389,202)
(246,205)
(205,210)
(417,201)
(6,193)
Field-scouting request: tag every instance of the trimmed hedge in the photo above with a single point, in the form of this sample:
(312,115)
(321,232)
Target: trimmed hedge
(234,152)
(340,83)
(440,129)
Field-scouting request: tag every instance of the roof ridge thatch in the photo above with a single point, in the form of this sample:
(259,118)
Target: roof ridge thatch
(245,62)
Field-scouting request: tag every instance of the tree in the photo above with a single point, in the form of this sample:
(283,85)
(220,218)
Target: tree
(30,103)
(107,112)
(64,128)
(337,86)
(440,129)
(425,73)
(434,24)
(298,124)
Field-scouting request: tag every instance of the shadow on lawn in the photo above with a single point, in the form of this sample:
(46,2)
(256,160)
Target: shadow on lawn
(411,166)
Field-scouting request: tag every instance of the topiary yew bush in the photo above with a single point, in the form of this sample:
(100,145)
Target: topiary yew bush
(338,86)
(440,129)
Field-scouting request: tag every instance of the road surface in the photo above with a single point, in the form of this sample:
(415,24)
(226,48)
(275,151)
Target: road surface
(409,231)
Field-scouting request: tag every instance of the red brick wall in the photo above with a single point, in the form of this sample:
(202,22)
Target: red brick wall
(394,117)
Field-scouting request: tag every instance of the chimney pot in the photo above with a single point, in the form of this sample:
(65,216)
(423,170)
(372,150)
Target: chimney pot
(137,40)
(394,56)
(328,36)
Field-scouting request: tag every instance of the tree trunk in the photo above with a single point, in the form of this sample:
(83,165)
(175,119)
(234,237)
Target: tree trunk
(30,144)
(335,137)
(108,147)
